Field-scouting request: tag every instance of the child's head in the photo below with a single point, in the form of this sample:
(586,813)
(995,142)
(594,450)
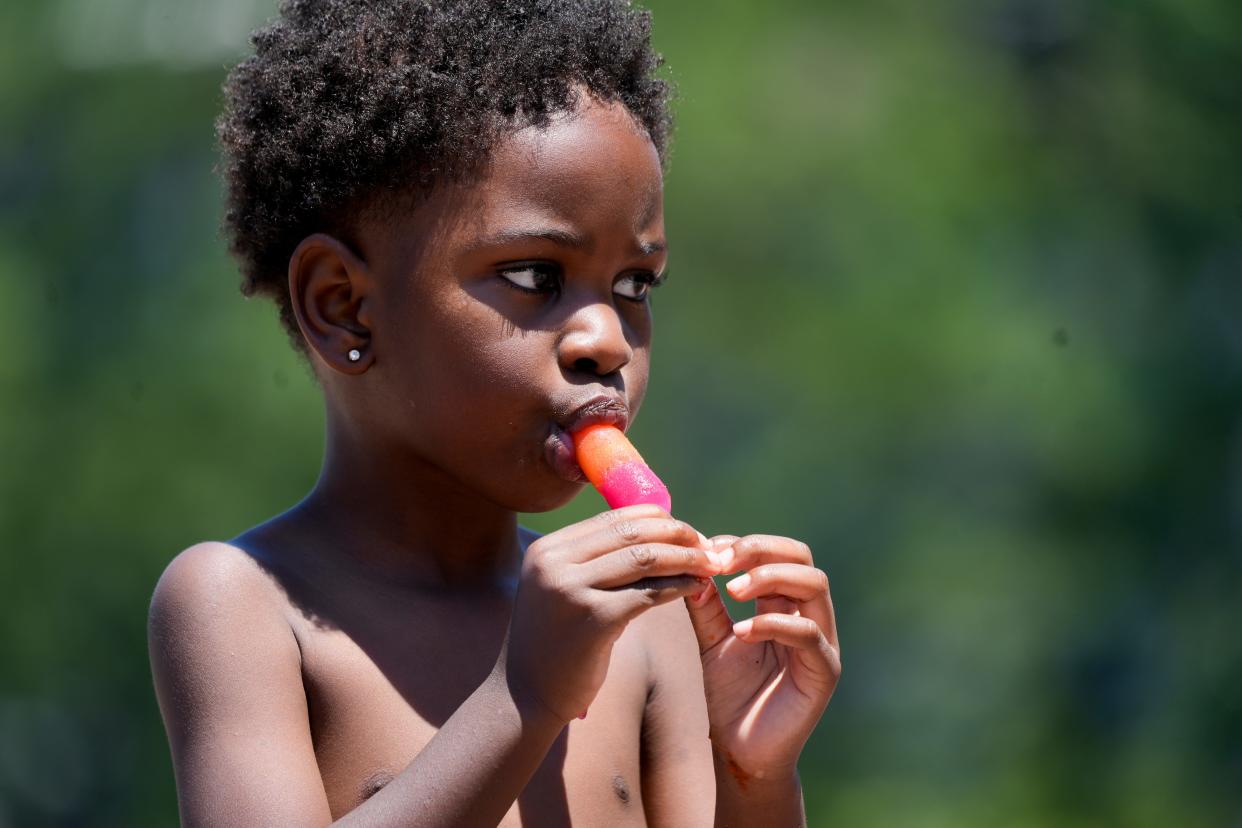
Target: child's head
(468,194)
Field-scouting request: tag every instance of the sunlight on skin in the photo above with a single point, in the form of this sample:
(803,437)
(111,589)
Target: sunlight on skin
(748,723)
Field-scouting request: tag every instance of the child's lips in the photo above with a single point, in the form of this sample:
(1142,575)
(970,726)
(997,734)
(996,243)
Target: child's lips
(559,446)
(559,451)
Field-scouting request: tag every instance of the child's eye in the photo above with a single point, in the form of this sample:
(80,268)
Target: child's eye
(541,278)
(531,278)
(636,285)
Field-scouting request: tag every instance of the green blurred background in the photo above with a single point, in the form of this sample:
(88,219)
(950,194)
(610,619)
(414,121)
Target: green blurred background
(955,298)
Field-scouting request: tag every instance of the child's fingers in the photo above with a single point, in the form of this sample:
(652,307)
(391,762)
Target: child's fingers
(776,603)
(802,583)
(756,550)
(709,617)
(595,523)
(802,634)
(630,533)
(805,585)
(632,564)
(625,603)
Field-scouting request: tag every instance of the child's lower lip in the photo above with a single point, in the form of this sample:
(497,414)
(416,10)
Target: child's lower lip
(559,452)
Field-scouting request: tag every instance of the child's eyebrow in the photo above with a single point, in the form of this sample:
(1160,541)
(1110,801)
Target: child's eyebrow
(552,234)
(566,238)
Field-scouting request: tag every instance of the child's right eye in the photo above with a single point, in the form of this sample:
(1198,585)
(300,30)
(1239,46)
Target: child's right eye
(531,278)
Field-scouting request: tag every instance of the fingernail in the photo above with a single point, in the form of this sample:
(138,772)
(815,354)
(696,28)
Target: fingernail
(742,628)
(703,541)
(738,584)
(726,558)
(714,557)
(582,715)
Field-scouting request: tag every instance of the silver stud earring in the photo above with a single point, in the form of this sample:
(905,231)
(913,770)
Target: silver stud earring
(354,355)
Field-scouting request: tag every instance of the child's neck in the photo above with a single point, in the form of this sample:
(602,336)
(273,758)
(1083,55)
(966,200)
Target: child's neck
(407,524)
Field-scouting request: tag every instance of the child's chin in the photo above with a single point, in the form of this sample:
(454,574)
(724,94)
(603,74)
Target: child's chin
(552,497)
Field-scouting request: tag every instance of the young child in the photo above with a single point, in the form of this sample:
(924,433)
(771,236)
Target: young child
(458,208)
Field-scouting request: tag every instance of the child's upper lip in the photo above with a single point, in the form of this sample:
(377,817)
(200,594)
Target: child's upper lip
(602,408)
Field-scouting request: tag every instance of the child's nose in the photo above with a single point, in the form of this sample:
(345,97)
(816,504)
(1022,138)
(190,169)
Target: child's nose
(594,341)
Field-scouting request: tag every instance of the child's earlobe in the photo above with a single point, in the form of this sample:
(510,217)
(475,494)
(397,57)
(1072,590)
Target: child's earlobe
(328,283)
(359,361)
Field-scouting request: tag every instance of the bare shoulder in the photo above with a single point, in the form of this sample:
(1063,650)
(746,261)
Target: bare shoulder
(213,566)
(215,611)
(214,595)
(228,679)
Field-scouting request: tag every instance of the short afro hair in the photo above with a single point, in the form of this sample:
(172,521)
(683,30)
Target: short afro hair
(342,98)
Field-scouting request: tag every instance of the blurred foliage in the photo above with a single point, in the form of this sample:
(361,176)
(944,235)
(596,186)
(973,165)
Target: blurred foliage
(955,296)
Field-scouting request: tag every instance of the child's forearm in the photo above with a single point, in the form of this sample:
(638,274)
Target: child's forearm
(745,800)
(472,770)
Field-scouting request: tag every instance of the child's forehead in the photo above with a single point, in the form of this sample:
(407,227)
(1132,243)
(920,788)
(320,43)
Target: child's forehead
(594,160)
(585,173)
(592,168)
(593,131)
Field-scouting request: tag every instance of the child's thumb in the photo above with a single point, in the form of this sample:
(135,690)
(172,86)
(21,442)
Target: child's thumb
(709,617)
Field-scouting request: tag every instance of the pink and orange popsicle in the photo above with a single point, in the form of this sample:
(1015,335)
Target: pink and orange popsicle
(616,469)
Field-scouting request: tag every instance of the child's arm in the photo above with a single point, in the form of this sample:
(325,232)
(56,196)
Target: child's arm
(678,783)
(228,677)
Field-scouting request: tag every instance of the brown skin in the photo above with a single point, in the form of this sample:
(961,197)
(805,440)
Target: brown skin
(365,657)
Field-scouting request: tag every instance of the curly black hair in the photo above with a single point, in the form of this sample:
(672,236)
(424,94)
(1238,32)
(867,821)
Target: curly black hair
(342,98)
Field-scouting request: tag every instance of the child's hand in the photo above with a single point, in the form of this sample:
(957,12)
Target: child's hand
(580,586)
(769,678)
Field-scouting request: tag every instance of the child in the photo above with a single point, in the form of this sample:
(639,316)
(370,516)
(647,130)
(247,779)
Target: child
(458,209)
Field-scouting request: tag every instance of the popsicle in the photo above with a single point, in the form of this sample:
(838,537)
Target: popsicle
(616,469)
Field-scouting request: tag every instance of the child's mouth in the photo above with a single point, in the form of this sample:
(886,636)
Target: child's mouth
(559,451)
(559,446)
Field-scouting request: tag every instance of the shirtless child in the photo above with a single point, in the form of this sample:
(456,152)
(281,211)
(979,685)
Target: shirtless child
(457,206)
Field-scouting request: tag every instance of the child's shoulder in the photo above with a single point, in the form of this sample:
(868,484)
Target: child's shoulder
(227,672)
(214,573)
(212,596)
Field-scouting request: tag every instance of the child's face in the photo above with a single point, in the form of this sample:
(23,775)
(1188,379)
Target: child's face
(505,306)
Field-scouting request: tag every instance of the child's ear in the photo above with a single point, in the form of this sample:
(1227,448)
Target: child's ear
(329,287)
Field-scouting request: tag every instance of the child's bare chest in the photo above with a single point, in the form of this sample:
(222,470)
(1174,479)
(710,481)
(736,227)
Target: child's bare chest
(377,694)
